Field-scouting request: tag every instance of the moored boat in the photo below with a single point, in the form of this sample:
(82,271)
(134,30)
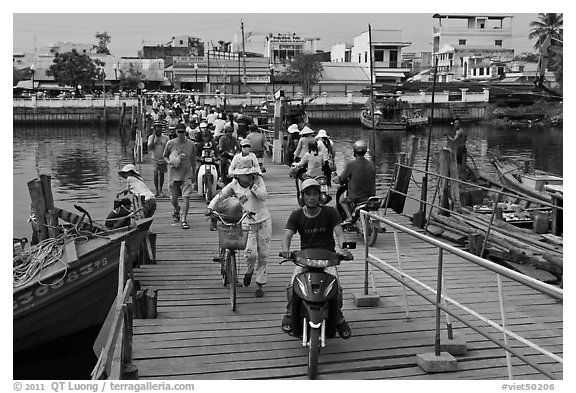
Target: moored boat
(525,181)
(75,291)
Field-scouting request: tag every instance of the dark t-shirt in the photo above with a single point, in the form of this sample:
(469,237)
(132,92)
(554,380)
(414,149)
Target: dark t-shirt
(361,177)
(317,232)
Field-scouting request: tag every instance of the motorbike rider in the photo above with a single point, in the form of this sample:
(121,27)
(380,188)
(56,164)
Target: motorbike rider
(317,226)
(228,146)
(360,174)
(245,155)
(306,136)
(256,139)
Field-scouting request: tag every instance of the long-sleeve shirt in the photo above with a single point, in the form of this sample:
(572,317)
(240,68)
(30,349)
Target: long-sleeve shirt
(239,157)
(253,199)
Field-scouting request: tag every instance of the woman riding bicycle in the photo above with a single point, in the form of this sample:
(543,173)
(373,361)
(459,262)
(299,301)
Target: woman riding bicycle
(250,189)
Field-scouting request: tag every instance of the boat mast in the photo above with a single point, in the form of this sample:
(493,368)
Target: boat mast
(424,195)
(372,96)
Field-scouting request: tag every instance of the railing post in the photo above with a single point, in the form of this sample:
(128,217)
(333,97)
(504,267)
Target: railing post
(438,301)
(504,327)
(397,244)
(364,232)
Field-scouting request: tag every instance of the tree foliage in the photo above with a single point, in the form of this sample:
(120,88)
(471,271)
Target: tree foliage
(129,79)
(550,25)
(74,69)
(103,41)
(306,70)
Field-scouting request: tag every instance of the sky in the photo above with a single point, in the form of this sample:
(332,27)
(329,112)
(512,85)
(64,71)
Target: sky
(129,30)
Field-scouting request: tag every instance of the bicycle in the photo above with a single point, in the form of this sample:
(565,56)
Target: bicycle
(231,237)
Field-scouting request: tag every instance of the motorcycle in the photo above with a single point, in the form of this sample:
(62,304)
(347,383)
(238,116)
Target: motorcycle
(298,175)
(371,204)
(207,173)
(225,161)
(315,300)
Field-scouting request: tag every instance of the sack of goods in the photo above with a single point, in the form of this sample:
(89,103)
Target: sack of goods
(231,208)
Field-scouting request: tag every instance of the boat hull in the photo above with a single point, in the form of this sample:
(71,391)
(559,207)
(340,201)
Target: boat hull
(75,298)
(392,125)
(531,185)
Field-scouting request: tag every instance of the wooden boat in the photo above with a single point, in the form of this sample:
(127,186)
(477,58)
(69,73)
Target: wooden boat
(381,123)
(523,180)
(76,291)
(418,119)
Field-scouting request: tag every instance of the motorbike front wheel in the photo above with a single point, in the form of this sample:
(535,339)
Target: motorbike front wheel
(372,233)
(313,353)
(208,191)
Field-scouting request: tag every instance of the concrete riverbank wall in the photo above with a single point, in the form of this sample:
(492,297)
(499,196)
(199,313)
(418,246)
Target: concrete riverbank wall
(321,109)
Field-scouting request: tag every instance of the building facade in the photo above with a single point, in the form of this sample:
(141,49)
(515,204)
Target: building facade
(474,46)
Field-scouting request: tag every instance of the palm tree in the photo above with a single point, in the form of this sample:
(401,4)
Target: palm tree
(548,25)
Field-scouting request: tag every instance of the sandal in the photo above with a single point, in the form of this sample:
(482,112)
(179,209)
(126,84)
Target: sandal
(176,216)
(287,323)
(185,225)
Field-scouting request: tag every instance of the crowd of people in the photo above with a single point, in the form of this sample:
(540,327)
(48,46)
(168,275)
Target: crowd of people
(181,129)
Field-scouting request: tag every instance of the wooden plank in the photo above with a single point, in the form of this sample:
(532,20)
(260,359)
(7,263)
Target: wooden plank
(197,336)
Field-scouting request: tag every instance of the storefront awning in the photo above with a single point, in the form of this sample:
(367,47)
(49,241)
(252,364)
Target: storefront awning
(390,74)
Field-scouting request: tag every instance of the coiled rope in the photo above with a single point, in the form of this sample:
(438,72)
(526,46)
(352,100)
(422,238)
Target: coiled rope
(28,265)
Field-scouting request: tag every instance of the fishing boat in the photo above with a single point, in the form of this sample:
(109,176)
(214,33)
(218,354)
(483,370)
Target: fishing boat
(417,119)
(390,113)
(66,284)
(521,178)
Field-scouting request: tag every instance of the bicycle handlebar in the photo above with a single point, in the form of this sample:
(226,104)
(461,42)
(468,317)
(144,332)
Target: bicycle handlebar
(223,218)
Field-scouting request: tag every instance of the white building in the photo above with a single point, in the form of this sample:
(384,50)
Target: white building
(472,46)
(386,54)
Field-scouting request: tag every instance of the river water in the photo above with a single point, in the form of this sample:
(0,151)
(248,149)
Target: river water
(84,161)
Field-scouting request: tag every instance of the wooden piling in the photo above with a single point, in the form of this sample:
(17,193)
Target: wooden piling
(151,301)
(403,175)
(39,207)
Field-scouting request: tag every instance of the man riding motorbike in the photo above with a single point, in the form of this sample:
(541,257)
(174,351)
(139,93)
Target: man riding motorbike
(360,174)
(316,225)
(228,146)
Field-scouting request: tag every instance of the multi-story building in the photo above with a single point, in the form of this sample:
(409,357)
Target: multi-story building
(472,46)
(177,46)
(280,48)
(386,54)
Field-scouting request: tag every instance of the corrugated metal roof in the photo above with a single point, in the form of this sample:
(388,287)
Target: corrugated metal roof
(344,72)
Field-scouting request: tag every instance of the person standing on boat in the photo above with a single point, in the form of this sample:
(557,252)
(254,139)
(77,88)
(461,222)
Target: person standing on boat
(180,154)
(137,187)
(459,141)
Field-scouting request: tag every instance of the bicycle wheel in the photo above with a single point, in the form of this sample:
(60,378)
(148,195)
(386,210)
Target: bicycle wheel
(223,266)
(232,276)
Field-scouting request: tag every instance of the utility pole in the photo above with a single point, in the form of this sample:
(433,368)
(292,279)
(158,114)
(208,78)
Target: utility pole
(243,51)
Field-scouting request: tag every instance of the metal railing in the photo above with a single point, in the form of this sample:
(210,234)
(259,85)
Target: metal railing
(439,299)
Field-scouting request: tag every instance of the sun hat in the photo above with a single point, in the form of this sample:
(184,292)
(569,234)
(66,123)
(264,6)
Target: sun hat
(322,134)
(309,183)
(306,131)
(129,168)
(203,125)
(293,128)
(245,142)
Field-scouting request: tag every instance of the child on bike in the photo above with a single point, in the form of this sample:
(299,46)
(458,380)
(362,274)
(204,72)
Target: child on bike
(250,190)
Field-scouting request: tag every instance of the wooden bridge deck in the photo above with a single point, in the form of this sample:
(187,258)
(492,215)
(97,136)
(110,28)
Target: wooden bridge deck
(197,336)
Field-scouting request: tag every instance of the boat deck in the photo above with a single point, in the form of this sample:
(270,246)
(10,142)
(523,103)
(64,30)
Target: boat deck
(197,336)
